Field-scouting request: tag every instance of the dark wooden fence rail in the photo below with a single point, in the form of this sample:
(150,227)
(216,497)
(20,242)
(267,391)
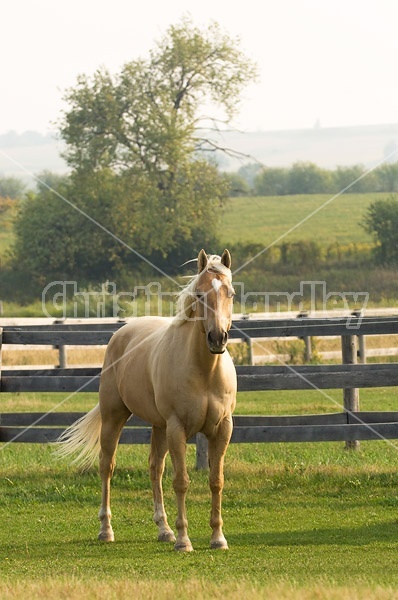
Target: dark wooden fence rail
(349,425)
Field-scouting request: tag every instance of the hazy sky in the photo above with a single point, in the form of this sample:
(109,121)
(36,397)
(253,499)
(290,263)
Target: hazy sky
(335,61)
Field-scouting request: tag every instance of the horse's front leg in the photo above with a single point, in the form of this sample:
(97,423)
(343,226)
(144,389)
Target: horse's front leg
(156,467)
(218,444)
(177,443)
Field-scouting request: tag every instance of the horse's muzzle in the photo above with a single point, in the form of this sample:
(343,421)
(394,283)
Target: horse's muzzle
(217,341)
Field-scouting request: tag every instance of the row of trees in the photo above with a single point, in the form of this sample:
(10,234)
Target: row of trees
(308,178)
(256,180)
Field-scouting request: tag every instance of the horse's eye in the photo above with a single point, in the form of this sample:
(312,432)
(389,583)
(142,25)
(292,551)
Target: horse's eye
(231,293)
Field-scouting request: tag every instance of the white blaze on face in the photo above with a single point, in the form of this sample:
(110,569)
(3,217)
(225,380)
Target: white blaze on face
(216,283)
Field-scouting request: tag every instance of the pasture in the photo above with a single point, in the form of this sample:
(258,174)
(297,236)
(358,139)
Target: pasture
(258,219)
(264,219)
(342,244)
(302,520)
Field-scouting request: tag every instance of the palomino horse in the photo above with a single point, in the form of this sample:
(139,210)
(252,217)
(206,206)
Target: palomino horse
(178,376)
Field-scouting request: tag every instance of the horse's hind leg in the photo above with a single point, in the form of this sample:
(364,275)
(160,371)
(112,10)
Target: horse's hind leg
(112,425)
(157,459)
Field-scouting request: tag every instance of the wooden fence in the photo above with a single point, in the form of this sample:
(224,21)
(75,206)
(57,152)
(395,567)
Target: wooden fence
(349,425)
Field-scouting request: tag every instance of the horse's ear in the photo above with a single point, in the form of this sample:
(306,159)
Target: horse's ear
(226,259)
(202,261)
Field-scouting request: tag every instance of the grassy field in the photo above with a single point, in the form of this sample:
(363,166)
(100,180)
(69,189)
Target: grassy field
(342,254)
(302,520)
(265,219)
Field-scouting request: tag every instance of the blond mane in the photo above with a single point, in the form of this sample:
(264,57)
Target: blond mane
(185,297)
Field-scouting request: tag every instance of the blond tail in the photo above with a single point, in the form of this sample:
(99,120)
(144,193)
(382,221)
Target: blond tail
(82,438)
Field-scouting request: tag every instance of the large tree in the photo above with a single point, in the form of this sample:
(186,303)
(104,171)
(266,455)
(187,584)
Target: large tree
(146,118)
(144,125)
(132,144)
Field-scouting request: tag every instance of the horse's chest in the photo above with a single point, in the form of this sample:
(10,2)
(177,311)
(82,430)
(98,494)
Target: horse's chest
(202,390)
(198,406)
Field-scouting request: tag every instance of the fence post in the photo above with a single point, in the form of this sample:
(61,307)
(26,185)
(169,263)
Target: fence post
(248,340)
(308,348)
(362,349)
(250,349)
(350,395)
(307,339)
(361,339)
(202,456)
(62,356)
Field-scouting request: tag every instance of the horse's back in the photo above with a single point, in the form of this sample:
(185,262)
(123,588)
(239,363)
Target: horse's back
(135,334)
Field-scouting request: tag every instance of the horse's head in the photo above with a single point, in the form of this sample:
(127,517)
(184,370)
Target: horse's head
(214,297)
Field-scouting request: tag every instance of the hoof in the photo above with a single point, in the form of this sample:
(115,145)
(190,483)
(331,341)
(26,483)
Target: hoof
(219,545)
(183,547)
(166,536)
(106,536)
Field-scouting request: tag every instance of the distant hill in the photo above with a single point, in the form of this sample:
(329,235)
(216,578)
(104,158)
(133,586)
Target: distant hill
(27,154)
(326,147)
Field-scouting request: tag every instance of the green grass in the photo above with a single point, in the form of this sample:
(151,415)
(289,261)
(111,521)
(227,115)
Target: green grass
(248,403)
(296,515)
(265,219)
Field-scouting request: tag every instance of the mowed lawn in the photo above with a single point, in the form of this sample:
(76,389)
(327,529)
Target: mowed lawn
(302,520)
(318,217)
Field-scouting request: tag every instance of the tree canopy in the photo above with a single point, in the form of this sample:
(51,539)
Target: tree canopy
(146,118)
(133,144)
